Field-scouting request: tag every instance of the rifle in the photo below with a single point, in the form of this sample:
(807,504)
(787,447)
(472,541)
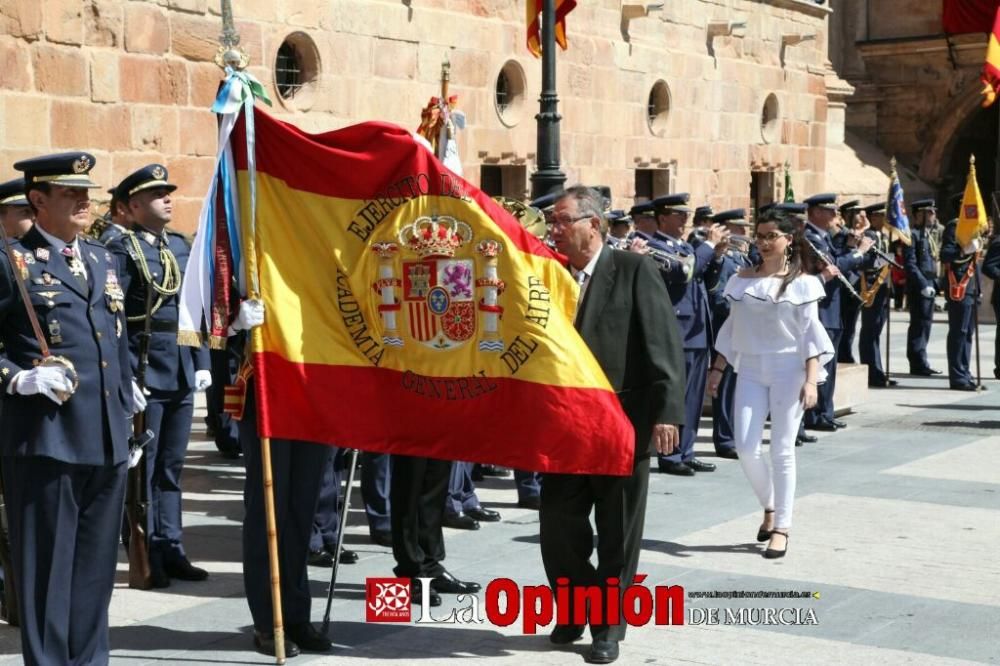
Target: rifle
(136,497)
(9,602)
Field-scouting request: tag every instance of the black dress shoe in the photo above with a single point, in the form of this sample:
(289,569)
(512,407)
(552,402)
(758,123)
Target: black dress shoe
(838,424)
(822,426)
(677,468)
(534,503)
(416,594)
(963,387)
(263,642)
(483,515)
(602,652)
(182,569)
(564,634)
(700,465)
(348,556)
(381,537)
(448,584)
(728,453)
(307,637)
(320,558)
(807,439)
(459,521)
(885,383)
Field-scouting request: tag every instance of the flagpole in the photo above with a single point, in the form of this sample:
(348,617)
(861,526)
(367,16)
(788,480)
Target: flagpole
(232,55)
(548,177)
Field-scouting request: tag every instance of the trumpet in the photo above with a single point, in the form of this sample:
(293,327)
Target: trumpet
(667,261)
(826,262)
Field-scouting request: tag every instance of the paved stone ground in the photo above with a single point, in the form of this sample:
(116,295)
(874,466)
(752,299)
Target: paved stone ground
(897,528)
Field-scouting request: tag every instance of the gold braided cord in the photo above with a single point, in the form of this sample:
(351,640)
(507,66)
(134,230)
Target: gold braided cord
(171,282)
(868,293)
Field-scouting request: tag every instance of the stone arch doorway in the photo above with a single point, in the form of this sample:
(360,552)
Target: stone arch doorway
(963,128)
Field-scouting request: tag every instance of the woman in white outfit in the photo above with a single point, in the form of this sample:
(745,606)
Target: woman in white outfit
(776,344)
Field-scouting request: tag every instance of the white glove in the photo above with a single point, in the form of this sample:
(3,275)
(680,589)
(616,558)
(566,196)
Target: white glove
(45,380)
(138,398)
(973,246)
(928,292)
(202,379)
(251,314)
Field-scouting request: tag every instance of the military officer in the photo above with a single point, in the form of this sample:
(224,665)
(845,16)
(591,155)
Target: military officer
(991,269)
(152,258)
(619,223)
(326,524)
(854,222)
(921,285)
(701,220)
(962,293)
(735,257)
(875,289)
(686,286)
(64,450)
(117,217)
(820,211)
(15,213)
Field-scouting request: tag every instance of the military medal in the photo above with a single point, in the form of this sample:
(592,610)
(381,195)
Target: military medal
(42,254)
(55,332)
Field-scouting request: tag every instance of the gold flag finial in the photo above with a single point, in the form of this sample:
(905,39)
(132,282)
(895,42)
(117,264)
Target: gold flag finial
(972,159)
(230,53)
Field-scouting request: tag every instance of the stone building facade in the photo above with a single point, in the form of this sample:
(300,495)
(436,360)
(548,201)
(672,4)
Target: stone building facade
(712,97)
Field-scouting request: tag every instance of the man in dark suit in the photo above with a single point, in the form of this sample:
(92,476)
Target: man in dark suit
(626,320)
(65,451)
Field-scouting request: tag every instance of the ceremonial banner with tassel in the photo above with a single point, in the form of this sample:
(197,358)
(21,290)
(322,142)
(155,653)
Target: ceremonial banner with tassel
(972,221)
(406,311)
(895,209)
(533,10)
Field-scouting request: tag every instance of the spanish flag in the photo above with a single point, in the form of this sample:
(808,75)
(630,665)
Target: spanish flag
(407,312)
(991,68)
(972,221)
(534,10)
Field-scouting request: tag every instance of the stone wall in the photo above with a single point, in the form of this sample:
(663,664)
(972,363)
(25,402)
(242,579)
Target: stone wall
(132,82)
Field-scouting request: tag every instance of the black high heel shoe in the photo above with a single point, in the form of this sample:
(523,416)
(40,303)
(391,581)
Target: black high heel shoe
(762,534)
(772,554)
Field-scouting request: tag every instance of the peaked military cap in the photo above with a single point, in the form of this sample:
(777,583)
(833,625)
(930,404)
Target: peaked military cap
(790,208)
(853,204)
(146,178)
(644,208)
(734,216)
(826,200)
(876,208)
(66,169)
(618,216)
(703,212)
(765,208)
(672,203)
(12,193)
(924,204)
(605,193)
(546,200)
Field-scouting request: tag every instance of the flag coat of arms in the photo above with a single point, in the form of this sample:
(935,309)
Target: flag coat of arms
(406,311)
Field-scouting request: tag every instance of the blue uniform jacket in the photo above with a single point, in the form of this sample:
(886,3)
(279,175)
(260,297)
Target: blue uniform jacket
(991,267)
(919,264)
(688,293)
(171,366)
(92,427)
(846,260)
(716,277)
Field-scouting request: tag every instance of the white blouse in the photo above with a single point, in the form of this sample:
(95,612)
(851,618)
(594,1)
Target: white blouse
(761,322)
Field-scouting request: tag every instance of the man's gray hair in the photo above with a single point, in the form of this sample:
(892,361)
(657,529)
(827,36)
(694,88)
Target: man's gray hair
(589,202)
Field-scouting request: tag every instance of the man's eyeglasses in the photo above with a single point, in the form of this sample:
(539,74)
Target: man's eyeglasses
(565,220)
(769,237)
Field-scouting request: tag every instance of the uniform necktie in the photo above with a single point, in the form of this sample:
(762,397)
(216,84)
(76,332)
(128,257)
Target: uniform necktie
(76,268)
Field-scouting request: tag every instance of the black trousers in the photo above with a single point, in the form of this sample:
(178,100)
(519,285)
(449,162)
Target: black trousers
(297,469)
(375,477)
(567,536)
(824,409)
(64,527)
(417,492)
(326,524)
(919,331)
(849,310)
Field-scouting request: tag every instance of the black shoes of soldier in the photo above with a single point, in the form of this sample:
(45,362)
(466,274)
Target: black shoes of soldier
(263,642)
(459,521)
(416,593)
(324,558)
(728,453)
(700,465)
(602,652)
(964,387)
(308,638)
(675,468)
(182,569)
(483,515)
(448,584)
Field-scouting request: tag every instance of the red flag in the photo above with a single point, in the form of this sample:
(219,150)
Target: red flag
(534,10)
(960,16)
(991,68)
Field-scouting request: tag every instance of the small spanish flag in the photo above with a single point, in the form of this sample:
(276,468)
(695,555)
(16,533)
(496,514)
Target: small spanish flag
(991,68)
(534,10)
(972,221)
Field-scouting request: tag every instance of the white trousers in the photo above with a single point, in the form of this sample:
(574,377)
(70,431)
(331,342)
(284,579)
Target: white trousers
(769,384)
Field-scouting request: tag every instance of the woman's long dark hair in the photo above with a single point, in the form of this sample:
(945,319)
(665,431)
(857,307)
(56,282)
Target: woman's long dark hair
(796,248)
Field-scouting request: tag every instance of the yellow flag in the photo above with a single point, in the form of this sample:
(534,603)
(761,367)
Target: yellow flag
(972,215)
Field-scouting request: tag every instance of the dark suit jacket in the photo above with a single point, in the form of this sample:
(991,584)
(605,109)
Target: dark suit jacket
(92,427)
(627,321)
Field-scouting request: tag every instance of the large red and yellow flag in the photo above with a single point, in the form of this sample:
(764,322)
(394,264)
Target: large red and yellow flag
(407,312)
(991,67)
(533,9)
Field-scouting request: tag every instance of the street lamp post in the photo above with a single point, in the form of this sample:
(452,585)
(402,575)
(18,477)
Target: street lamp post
(548,177)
